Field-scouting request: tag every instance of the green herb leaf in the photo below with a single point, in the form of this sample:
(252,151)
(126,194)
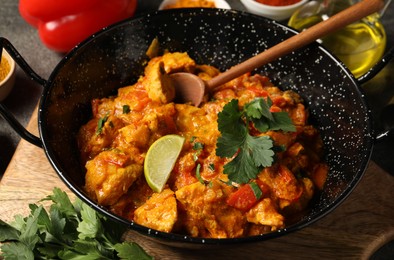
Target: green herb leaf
(198,174)
(241,169)
(259,108)
(69,231)
(250,154)
(7,232)
(230,119)
(198,146)
(256,190)
(17,251)
(131,251)
(282,121)
(100,124)
(29,235)
(126,109)
(261,150)
(90,226)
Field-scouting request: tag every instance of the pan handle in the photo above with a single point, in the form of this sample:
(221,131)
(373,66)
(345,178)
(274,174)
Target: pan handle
(19,128)
(4,43)
(4,112)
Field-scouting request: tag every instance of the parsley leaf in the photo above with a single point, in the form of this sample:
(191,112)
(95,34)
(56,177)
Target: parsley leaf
(198,174)
(131,251)
(100,124)
(16,250)
(68,231)
(256,190)
(126,109)
(250,154)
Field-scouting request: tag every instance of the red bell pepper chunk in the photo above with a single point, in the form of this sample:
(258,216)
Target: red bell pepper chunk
(245,197)
(49,10)
(63,24)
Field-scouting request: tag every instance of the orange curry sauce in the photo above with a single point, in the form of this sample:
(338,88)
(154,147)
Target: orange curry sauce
(114,142)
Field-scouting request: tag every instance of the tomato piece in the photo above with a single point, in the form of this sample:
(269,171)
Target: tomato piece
(279,101)
(258,90)
(275,109)
(243,199)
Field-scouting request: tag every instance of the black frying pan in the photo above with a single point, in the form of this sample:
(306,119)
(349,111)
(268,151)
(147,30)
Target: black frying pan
(114,57)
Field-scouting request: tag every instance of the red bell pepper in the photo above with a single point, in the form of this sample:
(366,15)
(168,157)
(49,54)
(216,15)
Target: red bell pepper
(245,197)
(62,24)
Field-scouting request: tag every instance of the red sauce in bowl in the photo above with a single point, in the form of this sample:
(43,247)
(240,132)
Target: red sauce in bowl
(278,2)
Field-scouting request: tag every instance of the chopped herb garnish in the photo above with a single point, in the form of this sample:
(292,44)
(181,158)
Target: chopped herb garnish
(198,174)
(250,153)
(126,109)
(67,231)
(256,190)
(198,146)
(100,124)
(211,166)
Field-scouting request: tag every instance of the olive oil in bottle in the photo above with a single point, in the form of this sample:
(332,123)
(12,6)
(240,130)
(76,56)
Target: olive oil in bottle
(359,45)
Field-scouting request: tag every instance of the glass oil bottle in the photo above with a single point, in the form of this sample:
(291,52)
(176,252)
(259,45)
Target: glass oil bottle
(359,45)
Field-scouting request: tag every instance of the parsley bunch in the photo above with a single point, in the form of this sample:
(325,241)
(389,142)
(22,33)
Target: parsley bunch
(68,231)
(251,153)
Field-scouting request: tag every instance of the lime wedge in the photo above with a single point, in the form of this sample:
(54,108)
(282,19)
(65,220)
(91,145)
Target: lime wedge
(160,160)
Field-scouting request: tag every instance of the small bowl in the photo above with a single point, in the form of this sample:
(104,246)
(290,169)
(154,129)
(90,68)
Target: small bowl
(218,4)
(7,83)
(278,13)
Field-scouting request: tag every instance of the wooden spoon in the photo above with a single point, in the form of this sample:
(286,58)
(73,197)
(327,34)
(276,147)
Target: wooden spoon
(190,88)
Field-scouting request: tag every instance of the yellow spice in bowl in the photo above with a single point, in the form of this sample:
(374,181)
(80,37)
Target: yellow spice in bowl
(4,68)
(191,3)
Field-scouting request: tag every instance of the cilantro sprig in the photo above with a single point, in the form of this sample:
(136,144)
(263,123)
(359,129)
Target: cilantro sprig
(250,153)
(67,231)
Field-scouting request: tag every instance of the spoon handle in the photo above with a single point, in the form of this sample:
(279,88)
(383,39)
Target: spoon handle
(338,21)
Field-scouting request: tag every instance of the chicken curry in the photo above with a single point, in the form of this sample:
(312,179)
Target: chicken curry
(199,199)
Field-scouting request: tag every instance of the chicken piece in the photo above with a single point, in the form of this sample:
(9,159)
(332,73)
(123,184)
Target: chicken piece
(284,185)
(97,135)
(134,97)
(207,213)
(178,61)
(157,82)
(135,197)
(207,72)
(109,175)
(160,121)
(306,196)
(197,122)
(265,213)
(158,212)
(135,135)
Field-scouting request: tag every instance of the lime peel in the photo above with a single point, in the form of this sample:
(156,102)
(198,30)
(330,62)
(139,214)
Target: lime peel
(160,160)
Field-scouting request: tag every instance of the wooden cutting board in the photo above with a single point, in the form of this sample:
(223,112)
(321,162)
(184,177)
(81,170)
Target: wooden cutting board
(356,229)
